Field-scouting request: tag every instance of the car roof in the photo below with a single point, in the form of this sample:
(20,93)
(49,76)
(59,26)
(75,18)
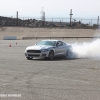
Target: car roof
(50,40)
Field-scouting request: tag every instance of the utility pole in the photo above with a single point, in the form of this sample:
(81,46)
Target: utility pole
(98,21)
(17,19)
(70,17)
(43,17)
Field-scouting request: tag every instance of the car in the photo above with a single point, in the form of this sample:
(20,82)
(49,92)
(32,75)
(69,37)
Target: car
(48,49)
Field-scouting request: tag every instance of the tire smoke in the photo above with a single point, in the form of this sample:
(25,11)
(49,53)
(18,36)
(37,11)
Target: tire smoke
(86,49)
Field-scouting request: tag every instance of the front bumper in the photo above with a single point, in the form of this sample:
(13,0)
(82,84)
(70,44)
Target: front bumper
(42,54)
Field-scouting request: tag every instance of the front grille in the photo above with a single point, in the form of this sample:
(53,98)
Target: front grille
(33,55)
(43,55)
(33,51)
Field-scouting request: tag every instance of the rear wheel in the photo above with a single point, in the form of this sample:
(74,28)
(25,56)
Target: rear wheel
(69,54)
(51,55)
(29,58)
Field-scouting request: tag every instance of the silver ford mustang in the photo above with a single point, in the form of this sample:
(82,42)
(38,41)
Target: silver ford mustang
(48,49)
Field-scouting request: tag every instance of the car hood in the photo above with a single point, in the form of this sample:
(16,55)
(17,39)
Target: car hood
(38,47)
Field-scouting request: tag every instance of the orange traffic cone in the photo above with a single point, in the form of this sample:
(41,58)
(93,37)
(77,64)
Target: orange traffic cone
(9,45)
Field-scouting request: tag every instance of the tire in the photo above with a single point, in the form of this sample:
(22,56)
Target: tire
(51,55)
(29,58)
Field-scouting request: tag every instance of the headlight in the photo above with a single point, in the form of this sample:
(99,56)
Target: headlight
(44,50)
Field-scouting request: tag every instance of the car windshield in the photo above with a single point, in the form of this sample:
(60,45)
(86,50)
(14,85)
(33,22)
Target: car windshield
(50,43)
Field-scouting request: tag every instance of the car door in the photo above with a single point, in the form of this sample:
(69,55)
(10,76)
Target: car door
(59,50)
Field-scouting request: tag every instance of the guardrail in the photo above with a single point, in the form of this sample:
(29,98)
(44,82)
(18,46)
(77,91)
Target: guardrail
(25,38)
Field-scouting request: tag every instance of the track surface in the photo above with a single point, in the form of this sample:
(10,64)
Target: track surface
(38,79)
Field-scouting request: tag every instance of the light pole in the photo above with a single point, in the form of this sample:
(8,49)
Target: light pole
(70,17)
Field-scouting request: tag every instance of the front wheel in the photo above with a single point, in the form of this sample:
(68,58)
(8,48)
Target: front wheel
(29,58)
(51,55)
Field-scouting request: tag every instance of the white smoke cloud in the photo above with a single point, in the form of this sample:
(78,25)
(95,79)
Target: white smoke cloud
(86,49)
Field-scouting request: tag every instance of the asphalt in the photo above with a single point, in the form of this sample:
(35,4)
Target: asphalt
(39,79)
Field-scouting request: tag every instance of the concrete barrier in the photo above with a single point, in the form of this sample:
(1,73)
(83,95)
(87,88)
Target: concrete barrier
(9,38)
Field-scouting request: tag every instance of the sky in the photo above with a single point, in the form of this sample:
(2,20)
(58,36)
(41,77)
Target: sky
(52,8)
